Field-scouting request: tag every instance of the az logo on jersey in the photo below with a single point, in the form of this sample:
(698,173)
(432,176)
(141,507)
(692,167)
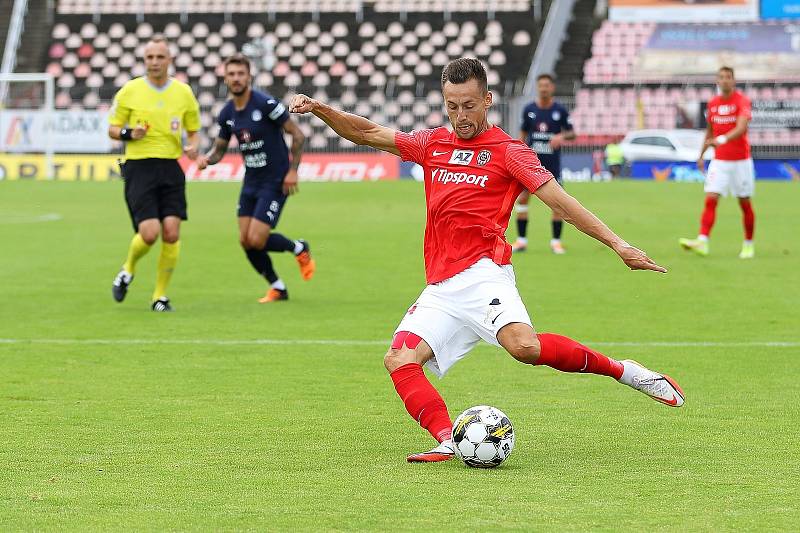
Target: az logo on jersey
(461,157)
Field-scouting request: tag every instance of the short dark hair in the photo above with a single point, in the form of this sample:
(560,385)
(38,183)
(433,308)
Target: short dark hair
(546,77)
(462,70)
(727,69)
(238,59)
(158,38)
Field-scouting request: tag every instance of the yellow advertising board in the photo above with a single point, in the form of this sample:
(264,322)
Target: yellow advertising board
(66,167)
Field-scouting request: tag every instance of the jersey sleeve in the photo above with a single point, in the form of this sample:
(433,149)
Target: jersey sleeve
(191,117)
(225,131)
(524,123)
(276,111)
(745,108)
(525,167)
(120,110)
(412,145)
(566,121)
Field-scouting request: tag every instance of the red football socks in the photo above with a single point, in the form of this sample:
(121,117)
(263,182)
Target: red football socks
(423,402)
(567,355)
(709,215)
(748,218)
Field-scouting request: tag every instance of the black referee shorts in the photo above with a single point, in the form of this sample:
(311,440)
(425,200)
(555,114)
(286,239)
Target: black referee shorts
(154,188)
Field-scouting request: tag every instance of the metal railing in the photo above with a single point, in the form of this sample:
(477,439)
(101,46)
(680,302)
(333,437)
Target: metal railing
(16,24)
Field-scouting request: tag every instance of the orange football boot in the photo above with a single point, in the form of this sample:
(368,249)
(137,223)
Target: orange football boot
(274,295)
(306,262)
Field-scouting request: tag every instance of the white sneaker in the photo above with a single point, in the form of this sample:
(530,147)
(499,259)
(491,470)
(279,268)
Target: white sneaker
(557,247)
(520,245)
(748,251)
(659,387)
(443,452)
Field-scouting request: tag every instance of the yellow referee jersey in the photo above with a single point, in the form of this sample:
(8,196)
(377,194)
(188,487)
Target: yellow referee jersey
(168,111)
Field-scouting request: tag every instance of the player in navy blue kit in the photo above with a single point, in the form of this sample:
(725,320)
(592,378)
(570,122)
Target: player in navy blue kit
(259,121)
(545,127)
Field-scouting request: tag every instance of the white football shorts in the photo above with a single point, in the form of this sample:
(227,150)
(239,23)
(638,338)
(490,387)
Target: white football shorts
(452,316)
(737,178)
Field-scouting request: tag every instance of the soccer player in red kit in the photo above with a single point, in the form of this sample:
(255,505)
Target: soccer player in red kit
(473,175)
(731,171)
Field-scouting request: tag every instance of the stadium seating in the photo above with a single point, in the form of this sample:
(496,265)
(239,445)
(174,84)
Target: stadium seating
(390,63)
(617,110)
(612,102)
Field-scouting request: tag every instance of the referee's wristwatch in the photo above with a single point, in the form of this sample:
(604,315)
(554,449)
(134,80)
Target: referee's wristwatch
(126,134)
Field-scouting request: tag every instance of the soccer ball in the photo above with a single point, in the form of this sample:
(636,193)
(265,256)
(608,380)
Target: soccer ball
(483,436)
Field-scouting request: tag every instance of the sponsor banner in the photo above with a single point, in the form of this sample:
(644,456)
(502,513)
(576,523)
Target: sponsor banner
(581,167)
(23,131)
(66,167)
(758,51)
(780,9)
(682,10)
(313,167)
(776,114)
(766,169)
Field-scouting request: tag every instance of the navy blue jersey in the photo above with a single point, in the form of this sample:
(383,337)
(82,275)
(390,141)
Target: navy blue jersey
(258,128)
(540,125)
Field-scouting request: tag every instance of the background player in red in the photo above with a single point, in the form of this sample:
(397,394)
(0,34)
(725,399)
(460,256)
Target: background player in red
(731,171)
(473,175)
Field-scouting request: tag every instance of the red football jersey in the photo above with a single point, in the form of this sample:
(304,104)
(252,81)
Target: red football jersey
(722,115)
(470,188)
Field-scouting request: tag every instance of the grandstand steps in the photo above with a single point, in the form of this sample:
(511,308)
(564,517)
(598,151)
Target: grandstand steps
(35,37)
(576,47)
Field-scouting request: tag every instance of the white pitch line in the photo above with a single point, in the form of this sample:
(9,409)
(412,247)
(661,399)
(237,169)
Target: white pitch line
(356,342)
(29,219)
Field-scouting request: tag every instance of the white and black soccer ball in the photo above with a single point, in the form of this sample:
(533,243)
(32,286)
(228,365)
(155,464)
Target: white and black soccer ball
(483,436)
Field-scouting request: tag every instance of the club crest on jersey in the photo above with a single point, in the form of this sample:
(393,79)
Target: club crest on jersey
(256,116)
(461,157)
(175,124)
(556,116)
(483,157)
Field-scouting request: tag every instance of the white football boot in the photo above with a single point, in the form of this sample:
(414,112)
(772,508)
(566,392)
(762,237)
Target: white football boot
(443,452)
(659,387)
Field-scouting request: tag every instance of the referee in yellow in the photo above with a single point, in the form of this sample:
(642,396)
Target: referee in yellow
(150,115)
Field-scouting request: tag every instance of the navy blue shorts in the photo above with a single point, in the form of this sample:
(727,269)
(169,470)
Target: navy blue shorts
(264,202)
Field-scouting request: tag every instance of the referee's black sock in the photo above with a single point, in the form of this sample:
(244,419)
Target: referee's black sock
(279,243)
(262,264)
(522,227)
(558,225)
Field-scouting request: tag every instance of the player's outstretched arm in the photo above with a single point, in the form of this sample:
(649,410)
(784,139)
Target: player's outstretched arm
(573,212)
(352,127)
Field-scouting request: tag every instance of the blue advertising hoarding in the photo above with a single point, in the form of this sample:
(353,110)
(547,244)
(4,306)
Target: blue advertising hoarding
(780,9)
(766,169)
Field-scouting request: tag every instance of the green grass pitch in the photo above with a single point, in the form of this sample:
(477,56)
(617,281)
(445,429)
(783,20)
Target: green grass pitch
(230,415)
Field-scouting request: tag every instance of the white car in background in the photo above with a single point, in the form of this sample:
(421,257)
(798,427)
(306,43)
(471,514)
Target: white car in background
(664,145)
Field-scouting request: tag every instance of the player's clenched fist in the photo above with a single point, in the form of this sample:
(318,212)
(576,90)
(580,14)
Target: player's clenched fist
(139,131)
(302,104)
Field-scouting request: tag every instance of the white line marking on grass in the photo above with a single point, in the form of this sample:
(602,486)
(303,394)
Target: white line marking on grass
(356,342)
(29,219)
